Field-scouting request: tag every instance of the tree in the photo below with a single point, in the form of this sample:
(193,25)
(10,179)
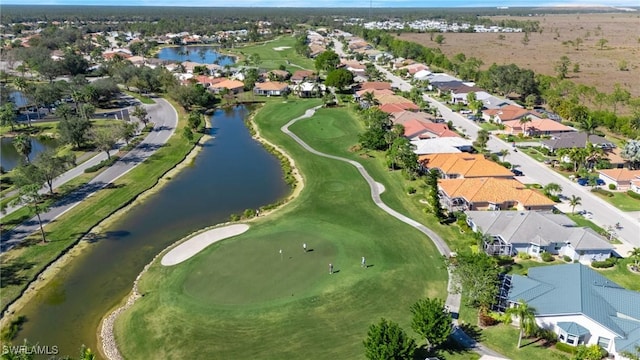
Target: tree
(431,320)
(552,189)
(631,153)
(105,138)
(50,166)
(187,133)
(504,153)
(524,121)
(562,67)
(591,352)
(601,43)
(195,120)
(370,98)
(22,143)
(439,39)
(573,202)
(482,140)
(526,319)
(477,274)
(74,130)
(8,115)
(28,195)
(434,197)
(327,61)
(141,113)
(339,78)
(619,96)
(127,131)
(387,341)
(588,124)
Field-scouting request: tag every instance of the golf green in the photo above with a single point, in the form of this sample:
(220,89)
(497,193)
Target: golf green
(240,298)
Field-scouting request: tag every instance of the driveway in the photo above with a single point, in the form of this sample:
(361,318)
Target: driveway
(165,118)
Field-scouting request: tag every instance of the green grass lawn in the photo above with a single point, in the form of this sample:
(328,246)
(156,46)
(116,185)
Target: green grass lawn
(489,126)
(240,299)
(621,200)
(21,265)
(272,59)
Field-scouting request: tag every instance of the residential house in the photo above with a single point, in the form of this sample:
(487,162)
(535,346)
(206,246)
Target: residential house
(535,232)
(207,81)
(441,145)
(271,88)
(576,140)
(492,102)
(464,166)
(579,305)
(375,85)
(412,69)
(490,194)
(136,60)
(536,127)
(277,75)
(315,50)
(422,75)
(620,177)
(390,108)
(459,93)
(303,75)
(354,66)
(233,86)
(402,117)
(508,113)
(309,89)
(415,129)
(376,93)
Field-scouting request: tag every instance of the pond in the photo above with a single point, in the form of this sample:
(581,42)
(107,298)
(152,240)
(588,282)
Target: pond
(232,173)
(9,157)
(199,54)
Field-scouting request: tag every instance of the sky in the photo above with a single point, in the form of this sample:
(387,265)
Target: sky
(332,3)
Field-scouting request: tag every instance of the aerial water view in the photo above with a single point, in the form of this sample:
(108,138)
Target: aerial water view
(320,180)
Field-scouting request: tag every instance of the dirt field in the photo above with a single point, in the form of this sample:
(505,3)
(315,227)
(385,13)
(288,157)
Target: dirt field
(599,68)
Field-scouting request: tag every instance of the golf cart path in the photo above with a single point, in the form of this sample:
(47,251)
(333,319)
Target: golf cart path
(453,299)
(191,247)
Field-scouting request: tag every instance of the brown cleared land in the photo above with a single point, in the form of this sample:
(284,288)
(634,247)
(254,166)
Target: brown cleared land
(599,68)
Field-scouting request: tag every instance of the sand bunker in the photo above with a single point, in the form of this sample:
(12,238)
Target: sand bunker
(280,48)
(199,242)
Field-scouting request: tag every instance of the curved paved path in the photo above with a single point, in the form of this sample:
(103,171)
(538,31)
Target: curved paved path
(453,300)
(166,120)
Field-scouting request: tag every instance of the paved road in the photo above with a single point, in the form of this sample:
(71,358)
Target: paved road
(453,299)
(165,118)
(604,214)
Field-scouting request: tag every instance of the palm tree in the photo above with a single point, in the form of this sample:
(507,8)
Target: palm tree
(578,156)
(552,189)
(22,143)
(526,319)
(593,154)
(523,121)
(635,255)
(504,153)
(370,98)
(573,202)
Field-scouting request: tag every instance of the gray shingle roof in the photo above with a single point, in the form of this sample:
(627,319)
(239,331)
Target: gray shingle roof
(575,139)
(543,228)
(576,289)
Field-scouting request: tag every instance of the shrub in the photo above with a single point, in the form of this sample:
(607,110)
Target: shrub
(524,256)
(612,186)
(548,335)
(567,259)
(486,319)
(566,348)
(602,192)
(603,264)
(101,164)
(505,260)
(546,257)
(411,190)
(633,194)
(566,166)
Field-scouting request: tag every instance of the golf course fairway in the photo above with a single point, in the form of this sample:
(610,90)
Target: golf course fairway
(244,298)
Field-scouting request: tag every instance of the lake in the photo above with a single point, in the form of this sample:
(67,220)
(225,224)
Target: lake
(199,54)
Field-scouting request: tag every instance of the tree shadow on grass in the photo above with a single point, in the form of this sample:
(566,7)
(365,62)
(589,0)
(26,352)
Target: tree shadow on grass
(108,235)
(12,272)
(472,331)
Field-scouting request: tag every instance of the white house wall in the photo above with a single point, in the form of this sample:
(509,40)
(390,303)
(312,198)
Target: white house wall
(596,330)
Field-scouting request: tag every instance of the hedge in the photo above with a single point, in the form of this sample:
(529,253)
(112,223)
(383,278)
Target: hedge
(101,164)
(633,194)
(566,348)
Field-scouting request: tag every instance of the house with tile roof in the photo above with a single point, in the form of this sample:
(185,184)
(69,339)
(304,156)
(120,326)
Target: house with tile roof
(509,112)
(271,88)
(579,305)
(535,232)
(490,194)
(390,108)
(233,86)
(620,177)
(415,129)
(303,75)
(536,127)
(375,85)
(464,166)
(403,116)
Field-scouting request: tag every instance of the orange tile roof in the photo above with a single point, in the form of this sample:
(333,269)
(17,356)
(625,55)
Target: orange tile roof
(229,84)
(541,125)
(391,108)
(465,165)
(375,85)
(404,116)
(492,190)
(271,85)
(620,174)
(390,98)
(302,74)
(511,112)
(376,92)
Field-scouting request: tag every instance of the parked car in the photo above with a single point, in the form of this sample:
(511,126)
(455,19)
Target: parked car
(583,182)
(517,172)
